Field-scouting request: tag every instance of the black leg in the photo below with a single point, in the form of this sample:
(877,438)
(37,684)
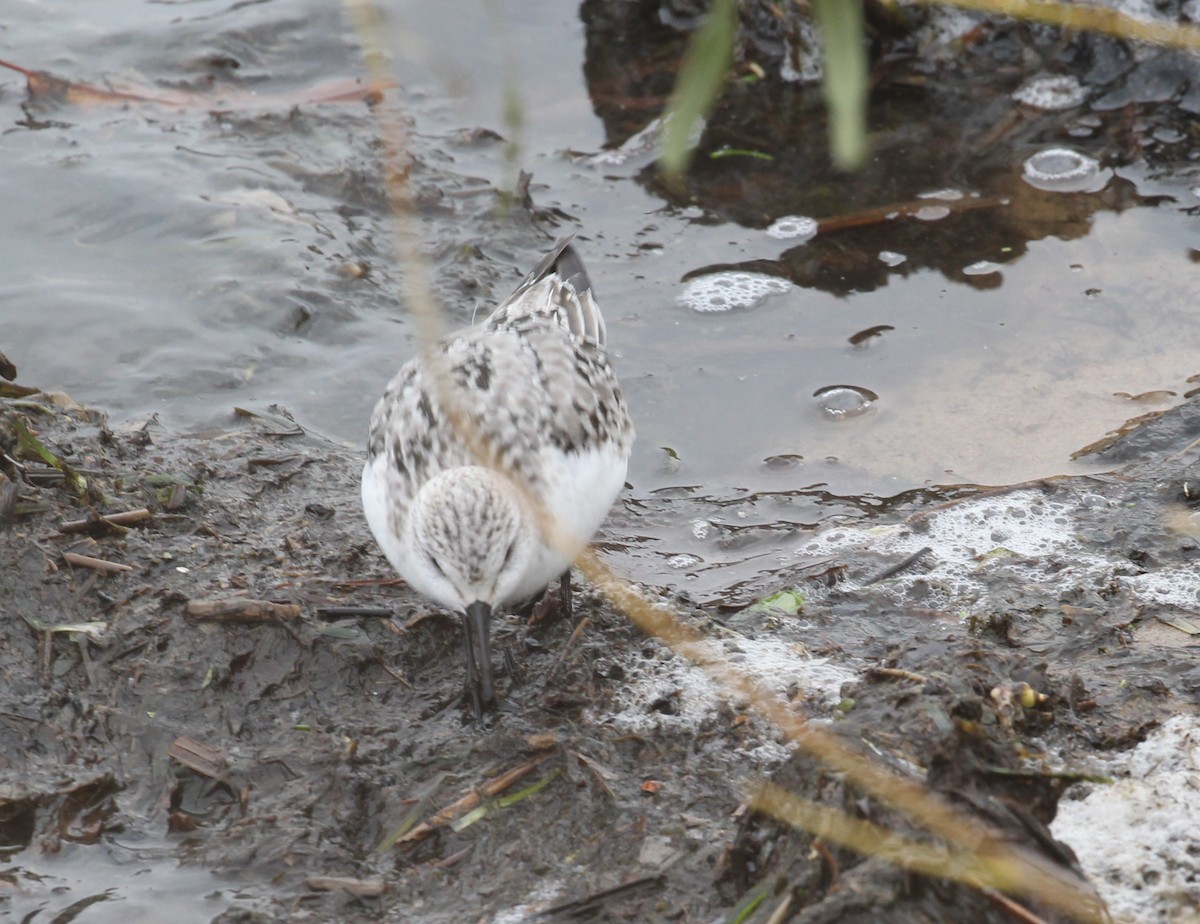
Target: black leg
(565,604)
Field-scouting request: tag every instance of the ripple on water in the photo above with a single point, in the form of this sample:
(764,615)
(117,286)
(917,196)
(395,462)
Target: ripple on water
(1060,169)
(840,402)
(728,290)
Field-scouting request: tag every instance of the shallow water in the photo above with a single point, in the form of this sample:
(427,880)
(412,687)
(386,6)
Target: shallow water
(181,261)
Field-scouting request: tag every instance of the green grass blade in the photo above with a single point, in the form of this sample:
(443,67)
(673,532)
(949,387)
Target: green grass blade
(701,78)
(845,84)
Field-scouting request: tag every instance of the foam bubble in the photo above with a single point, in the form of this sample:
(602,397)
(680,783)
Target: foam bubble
(793,228)
(671,692)
(1051,93)
(728,290)
(1064,170)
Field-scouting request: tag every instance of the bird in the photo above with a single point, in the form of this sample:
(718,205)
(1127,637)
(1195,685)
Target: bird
(494,455)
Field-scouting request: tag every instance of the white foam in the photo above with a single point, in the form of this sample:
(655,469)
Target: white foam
(693,695)
(793,228)
(1137,839)
(969,537)
(1051,93)
(1168,586)
(728,290)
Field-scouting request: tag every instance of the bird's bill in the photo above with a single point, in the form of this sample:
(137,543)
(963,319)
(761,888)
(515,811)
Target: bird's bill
(477,628)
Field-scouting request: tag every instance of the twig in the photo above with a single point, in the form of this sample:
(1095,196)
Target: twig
(337,612)
(96,564)
(899,566)
(363,888)
(782,911)
(240,610)
(1018,911)
(562,655)
(195,755)
(897,672)
(593,902)
(94,519)
(491,788)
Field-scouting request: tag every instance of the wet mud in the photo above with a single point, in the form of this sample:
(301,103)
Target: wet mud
(237,674)
(208,669)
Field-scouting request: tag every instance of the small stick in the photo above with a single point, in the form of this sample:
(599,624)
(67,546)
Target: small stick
(125,518)
(240,610)
(898,567)
(195,755)
(96,564)
(562,655)
(336,612)
(363,888)
(898,672)
(1018,911)
(472,799)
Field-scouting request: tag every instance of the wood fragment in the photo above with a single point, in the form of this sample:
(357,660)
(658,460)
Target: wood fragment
(898,673)
(96,564)
(492,787)
(95,519)
(570,643)
(337,612)
(1018,911)
(453,860)
(782,911)
(1179,623)
(582,907)
(899,566)
(363,888)
(240,610)
(195,755)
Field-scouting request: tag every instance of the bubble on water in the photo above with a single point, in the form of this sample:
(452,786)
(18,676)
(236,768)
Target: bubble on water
(727,290)
(1064,170)
(891,258)
(793,228)
(981,268)
(945,195)
(840,402)
(1051,93)
(680,562)
(931,213)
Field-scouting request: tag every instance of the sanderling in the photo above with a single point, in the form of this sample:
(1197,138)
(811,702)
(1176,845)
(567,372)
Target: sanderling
(538,420)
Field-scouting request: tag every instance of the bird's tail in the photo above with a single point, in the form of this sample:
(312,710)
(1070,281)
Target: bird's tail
(557,287)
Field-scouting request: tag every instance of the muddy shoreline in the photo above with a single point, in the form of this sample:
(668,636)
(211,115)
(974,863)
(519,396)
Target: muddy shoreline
(286,742)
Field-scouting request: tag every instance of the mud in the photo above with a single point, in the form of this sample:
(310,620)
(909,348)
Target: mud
(287,744)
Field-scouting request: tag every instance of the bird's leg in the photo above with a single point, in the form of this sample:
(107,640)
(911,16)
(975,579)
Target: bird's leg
(566,607)
(553,605)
